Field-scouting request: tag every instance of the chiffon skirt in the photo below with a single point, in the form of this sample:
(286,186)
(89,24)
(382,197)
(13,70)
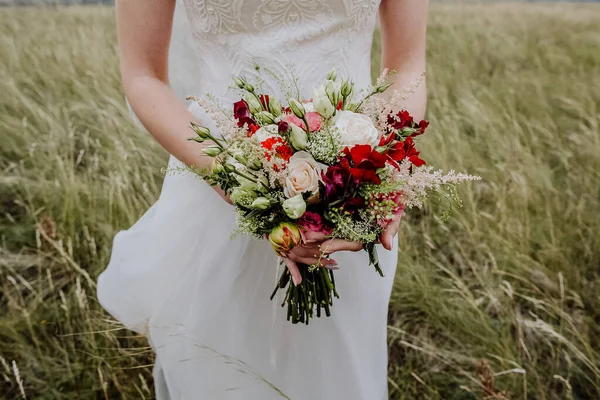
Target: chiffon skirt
(203,300)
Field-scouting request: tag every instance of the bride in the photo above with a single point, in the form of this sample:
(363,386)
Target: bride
(203,299)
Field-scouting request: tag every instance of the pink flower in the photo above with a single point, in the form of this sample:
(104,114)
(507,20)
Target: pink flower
(313,222)
(315,121)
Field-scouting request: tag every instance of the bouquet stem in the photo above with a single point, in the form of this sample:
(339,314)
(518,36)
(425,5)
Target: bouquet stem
(305,301)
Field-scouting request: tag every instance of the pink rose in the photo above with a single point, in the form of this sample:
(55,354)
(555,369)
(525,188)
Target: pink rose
(315,121)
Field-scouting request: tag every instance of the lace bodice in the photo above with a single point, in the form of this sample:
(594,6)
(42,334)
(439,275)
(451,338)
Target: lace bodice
(312,35)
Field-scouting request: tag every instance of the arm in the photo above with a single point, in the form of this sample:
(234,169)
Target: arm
(403,36)
(144,32)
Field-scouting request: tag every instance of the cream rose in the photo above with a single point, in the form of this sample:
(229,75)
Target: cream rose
(355,129)
(303,175)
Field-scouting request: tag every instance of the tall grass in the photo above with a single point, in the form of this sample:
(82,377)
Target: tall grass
(502,301)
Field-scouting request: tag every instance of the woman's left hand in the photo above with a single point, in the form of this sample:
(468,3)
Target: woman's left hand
(388,235)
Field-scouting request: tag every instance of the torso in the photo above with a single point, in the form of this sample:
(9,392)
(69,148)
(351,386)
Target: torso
(312,35)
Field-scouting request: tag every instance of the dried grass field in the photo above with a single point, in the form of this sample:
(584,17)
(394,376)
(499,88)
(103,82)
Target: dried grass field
(500,302)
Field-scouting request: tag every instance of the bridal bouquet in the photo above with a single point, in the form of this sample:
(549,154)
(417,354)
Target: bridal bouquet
(343,164)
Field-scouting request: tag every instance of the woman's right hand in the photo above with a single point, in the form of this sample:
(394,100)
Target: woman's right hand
(316,249)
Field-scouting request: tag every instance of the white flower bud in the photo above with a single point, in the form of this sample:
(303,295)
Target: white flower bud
(253,104)
(321,102)
(297,108)
(265,117)
(298,137)
(294,207)
(332,76)
(239,82)
(261,203)
(274,106)
(333,92)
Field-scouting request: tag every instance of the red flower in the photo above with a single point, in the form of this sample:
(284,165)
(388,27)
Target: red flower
(283,127)
(406,150)
(314,222)
(285,152)
(339,182)
(400,120)
(422,127)
(252,128)
(404,120)
(365,162)
(280,147)
(241,112)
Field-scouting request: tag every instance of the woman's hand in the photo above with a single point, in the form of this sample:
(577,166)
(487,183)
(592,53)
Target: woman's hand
(309,254)
(316,249)
(390,232)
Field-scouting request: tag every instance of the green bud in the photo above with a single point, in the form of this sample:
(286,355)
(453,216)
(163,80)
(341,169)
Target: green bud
(265,117)
(383,87)
(332,76)
(332,93)
(264,182)
(297,108)
(198,139)
(274,106)
(240,158)
(347,88)
(253,104)
(298,137)
(239,82)
(408,131)
(229,168)
(261,203)
(201,131)
(248,87)
(294,207)
(256,165)
(217,168)
(212,151)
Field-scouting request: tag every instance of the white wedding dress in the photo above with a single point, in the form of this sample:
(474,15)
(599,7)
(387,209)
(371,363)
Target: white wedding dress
(203,299)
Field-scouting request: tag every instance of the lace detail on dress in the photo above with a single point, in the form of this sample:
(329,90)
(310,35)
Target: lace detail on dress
(217,16)
(361,12)
(313,35)
(291,13)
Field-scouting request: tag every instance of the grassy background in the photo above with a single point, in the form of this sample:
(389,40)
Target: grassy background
(503,301)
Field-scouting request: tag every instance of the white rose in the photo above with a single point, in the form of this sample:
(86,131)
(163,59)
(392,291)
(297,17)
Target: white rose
(303,175)
(265,132)
(355,129)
